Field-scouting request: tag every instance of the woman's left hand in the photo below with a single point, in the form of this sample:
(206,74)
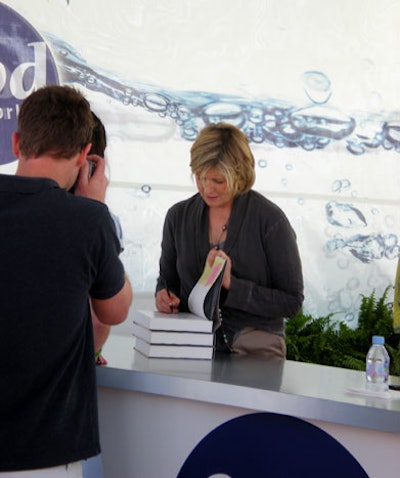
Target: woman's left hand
(214,252)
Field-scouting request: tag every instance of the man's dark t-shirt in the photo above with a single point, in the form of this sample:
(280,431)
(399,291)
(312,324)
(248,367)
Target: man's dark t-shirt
(56,249)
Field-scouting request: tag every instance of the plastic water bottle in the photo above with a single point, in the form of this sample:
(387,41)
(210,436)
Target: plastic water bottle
(377,366)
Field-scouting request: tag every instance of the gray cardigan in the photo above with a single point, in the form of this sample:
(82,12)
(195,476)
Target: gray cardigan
(267,281)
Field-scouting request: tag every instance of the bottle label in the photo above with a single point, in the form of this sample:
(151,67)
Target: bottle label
(377,370)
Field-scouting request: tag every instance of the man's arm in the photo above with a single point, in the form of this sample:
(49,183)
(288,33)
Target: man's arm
(100,332)
(114,310)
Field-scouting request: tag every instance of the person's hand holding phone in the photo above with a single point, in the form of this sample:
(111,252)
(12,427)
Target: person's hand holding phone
(92,181)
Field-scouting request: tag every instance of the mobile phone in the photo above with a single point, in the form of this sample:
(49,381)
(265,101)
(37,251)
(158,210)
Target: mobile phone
(92,167)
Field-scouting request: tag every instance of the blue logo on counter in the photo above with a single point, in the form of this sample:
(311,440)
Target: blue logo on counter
(26,64)
(269,444)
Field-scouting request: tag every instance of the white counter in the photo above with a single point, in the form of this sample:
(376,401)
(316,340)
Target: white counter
(138,393)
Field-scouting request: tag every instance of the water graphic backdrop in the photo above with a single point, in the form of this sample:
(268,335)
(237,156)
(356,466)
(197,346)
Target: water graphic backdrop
(317,99)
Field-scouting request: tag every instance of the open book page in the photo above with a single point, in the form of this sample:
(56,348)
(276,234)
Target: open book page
(204,297)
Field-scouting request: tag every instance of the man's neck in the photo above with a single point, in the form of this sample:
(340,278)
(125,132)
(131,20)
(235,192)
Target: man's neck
(46,167)
(37,168)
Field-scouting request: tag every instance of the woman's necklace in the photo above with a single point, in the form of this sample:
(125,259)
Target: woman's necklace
(217,243)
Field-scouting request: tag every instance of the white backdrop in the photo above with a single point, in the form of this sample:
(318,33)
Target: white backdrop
(314,83)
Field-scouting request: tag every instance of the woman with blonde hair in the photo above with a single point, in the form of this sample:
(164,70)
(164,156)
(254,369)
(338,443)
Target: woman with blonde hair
(262,282)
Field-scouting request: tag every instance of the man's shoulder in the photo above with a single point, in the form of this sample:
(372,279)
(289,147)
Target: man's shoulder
(86,203)
(84,209)
(24,184)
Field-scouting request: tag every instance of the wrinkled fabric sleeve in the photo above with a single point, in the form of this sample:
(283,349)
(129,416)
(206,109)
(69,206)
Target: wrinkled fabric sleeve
(284,297)
(168,274)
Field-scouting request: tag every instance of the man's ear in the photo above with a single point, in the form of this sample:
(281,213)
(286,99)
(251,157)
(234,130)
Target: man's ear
(15,144)
(83,154)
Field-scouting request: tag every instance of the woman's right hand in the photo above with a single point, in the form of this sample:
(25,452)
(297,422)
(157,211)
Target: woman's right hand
(226,280)
(167,301)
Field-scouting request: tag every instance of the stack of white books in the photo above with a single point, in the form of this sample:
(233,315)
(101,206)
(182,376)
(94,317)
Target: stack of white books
(184,335)
(180,335)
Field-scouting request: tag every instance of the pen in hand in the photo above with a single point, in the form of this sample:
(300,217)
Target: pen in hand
(171,307)
(168,299)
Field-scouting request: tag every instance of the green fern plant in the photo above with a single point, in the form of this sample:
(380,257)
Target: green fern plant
(327,342)
(394,353)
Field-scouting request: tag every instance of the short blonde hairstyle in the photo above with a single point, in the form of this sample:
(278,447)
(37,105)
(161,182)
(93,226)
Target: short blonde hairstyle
(226,148)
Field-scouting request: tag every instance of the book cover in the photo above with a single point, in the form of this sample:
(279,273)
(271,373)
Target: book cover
(181,321)
(172,337)
(173,351)
(204,298)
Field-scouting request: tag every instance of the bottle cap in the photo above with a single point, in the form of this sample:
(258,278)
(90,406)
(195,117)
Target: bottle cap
(378,339)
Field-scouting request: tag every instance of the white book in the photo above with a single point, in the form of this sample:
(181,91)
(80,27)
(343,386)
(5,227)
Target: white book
(203,304)
(172,337)
(173,351)
(181,321)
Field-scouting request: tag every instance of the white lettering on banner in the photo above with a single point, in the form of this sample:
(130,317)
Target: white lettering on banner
(17,76)
(6,113)
(3,76)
